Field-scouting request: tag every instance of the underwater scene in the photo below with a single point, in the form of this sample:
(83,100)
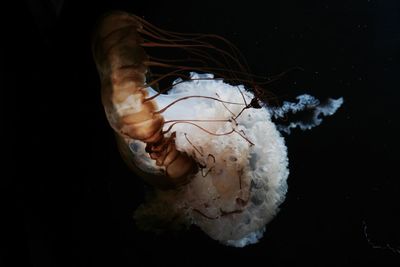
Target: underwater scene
(213,132)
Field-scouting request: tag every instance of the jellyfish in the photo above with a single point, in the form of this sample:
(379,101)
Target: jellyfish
(197,127)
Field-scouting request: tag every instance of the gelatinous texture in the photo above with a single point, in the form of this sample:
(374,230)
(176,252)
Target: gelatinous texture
(305,103)
(122,65)
(212,144)
(244,164)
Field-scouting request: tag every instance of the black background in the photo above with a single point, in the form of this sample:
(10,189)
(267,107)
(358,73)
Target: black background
(72,198)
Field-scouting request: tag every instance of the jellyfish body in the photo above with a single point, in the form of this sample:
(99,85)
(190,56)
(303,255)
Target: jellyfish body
(209,143)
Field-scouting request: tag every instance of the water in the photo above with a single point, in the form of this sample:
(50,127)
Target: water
(75,197)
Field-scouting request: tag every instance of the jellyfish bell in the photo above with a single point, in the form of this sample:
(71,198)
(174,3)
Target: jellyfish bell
(121,63)
(205,142)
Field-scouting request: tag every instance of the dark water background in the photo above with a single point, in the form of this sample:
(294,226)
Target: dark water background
(73,198)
